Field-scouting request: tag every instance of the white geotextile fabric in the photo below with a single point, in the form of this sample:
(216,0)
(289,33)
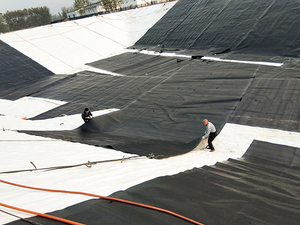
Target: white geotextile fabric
(66,47)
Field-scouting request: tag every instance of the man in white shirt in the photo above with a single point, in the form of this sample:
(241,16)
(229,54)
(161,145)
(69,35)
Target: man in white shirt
(211,133)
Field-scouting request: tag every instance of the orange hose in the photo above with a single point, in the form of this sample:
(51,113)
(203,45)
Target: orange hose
(41,214)
(108,198)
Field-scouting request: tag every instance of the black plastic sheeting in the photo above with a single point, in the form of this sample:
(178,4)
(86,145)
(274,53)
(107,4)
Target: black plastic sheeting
(162,102)
(263,28)
(17,71)
(271,103)
(262,187)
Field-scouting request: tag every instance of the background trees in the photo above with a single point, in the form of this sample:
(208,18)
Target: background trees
(26,18)
(3,25)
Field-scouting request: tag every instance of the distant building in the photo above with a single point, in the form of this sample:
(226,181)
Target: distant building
(93,8)
(136,3)
(96,7)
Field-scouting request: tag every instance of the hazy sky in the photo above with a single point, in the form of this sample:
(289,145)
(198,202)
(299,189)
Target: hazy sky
(53,5)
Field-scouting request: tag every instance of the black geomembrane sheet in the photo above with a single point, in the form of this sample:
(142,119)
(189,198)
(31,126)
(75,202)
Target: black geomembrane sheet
(17,72)
(262,28)
(161,111)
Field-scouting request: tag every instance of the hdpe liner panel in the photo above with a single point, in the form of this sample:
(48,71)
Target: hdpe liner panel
(164,119)
(260,188)
(132,64)
(264,28)
(270,103)
(17,71)
(99,91)
(95,91)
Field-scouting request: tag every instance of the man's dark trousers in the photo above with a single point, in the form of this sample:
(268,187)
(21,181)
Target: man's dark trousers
(211,137)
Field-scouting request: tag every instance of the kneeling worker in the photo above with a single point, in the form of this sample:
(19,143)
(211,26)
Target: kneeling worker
(86,115)
(211,133)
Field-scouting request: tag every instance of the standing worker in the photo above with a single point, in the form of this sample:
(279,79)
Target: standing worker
(211,133)
(86,115)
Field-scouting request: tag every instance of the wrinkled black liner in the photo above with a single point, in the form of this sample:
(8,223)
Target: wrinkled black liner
(270,102)
(162,102)
(162,112)
(262,28)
